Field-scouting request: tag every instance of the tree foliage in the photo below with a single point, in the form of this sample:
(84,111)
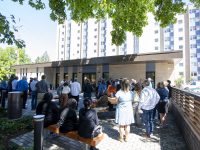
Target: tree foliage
(11,56)
(44,58)
(127,15)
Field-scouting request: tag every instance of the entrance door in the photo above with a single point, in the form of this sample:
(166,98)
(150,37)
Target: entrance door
(151,74)
(57,79)
(90,76)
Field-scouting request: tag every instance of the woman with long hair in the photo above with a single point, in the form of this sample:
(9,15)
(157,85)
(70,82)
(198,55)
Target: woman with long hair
(124,110)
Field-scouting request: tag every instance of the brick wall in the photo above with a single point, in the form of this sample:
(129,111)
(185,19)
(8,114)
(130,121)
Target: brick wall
(191,138)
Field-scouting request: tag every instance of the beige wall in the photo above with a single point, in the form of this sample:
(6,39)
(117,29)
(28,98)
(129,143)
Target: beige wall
(163,72)
(135,71)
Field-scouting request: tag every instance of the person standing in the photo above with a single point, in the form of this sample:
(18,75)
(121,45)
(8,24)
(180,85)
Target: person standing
(163,93)
(124,110)
(64,94)
(75,90)
(22,85)
(14,83)
(33,93)
(148,100)
(87,89)
(42,87)
(111,91)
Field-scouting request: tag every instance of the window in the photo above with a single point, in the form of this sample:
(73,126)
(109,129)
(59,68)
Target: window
(77,51)
(180,38)
(68,45)
(193,73)
(96,22)
(78,38)
(193,46)
(180,21)
(95,51)
(95,29)
(194,64)
(63,26)
(61,58)
(78,31)
(113,50)
(63,33)
(102,43)
(180,30)
(180,46)
(61,52)
(95,36)
(193,55)
(192,28)
(79,24)
(167,38)
(156,31)
(156,48)
(181,73)
(95,44)
(62,46)
(62,39)
(180,64)
(156,40)
(78,45)
(193,37)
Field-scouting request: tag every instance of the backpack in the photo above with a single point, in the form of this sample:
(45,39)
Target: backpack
(59,90)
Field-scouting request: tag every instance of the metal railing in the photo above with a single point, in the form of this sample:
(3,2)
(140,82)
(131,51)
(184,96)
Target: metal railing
(189,104)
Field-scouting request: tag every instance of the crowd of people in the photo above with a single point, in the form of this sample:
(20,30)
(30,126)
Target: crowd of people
(134,100)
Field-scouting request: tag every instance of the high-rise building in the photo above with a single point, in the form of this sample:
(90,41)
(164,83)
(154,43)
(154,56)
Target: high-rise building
(92,38)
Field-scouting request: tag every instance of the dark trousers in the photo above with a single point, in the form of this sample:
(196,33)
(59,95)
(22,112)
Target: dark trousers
(33,100)
(25,95)
(77,100)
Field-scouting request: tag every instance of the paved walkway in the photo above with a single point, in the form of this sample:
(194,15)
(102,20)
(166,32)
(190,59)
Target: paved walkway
(168,138)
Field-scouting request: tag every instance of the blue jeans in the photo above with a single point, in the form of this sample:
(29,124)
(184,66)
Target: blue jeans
(34,100)
(148,121)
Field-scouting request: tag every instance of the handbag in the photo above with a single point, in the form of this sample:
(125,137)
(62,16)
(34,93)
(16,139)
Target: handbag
(62,117)
(97,130)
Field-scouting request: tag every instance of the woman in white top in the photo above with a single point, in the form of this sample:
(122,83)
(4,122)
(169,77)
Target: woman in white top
(64,95)
(124,110)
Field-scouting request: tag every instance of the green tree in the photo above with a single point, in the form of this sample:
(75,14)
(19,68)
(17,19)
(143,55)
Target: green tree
(127,15)
(43,58)
(11,56)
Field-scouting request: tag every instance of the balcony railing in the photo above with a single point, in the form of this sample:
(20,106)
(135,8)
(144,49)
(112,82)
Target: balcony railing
(189,105)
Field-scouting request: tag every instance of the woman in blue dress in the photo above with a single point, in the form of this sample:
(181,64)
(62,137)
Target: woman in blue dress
(124,110)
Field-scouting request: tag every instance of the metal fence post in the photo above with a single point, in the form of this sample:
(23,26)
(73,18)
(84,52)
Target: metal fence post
(38,131)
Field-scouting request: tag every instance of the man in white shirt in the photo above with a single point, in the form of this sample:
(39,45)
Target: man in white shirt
(148,100)
(75,90)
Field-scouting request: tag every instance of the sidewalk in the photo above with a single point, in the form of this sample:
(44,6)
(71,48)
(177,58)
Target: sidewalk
(168,138)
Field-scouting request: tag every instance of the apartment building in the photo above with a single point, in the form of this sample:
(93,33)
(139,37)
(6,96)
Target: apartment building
(92,38)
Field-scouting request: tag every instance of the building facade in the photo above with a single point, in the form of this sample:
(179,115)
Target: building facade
(92,38)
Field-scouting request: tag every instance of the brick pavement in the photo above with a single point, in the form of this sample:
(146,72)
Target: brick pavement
(168,138)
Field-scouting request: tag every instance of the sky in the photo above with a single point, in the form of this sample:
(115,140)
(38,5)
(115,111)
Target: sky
(36,28)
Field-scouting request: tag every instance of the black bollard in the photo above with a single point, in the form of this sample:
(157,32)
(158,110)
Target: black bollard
(15,105)
(38,132)
(3,98)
